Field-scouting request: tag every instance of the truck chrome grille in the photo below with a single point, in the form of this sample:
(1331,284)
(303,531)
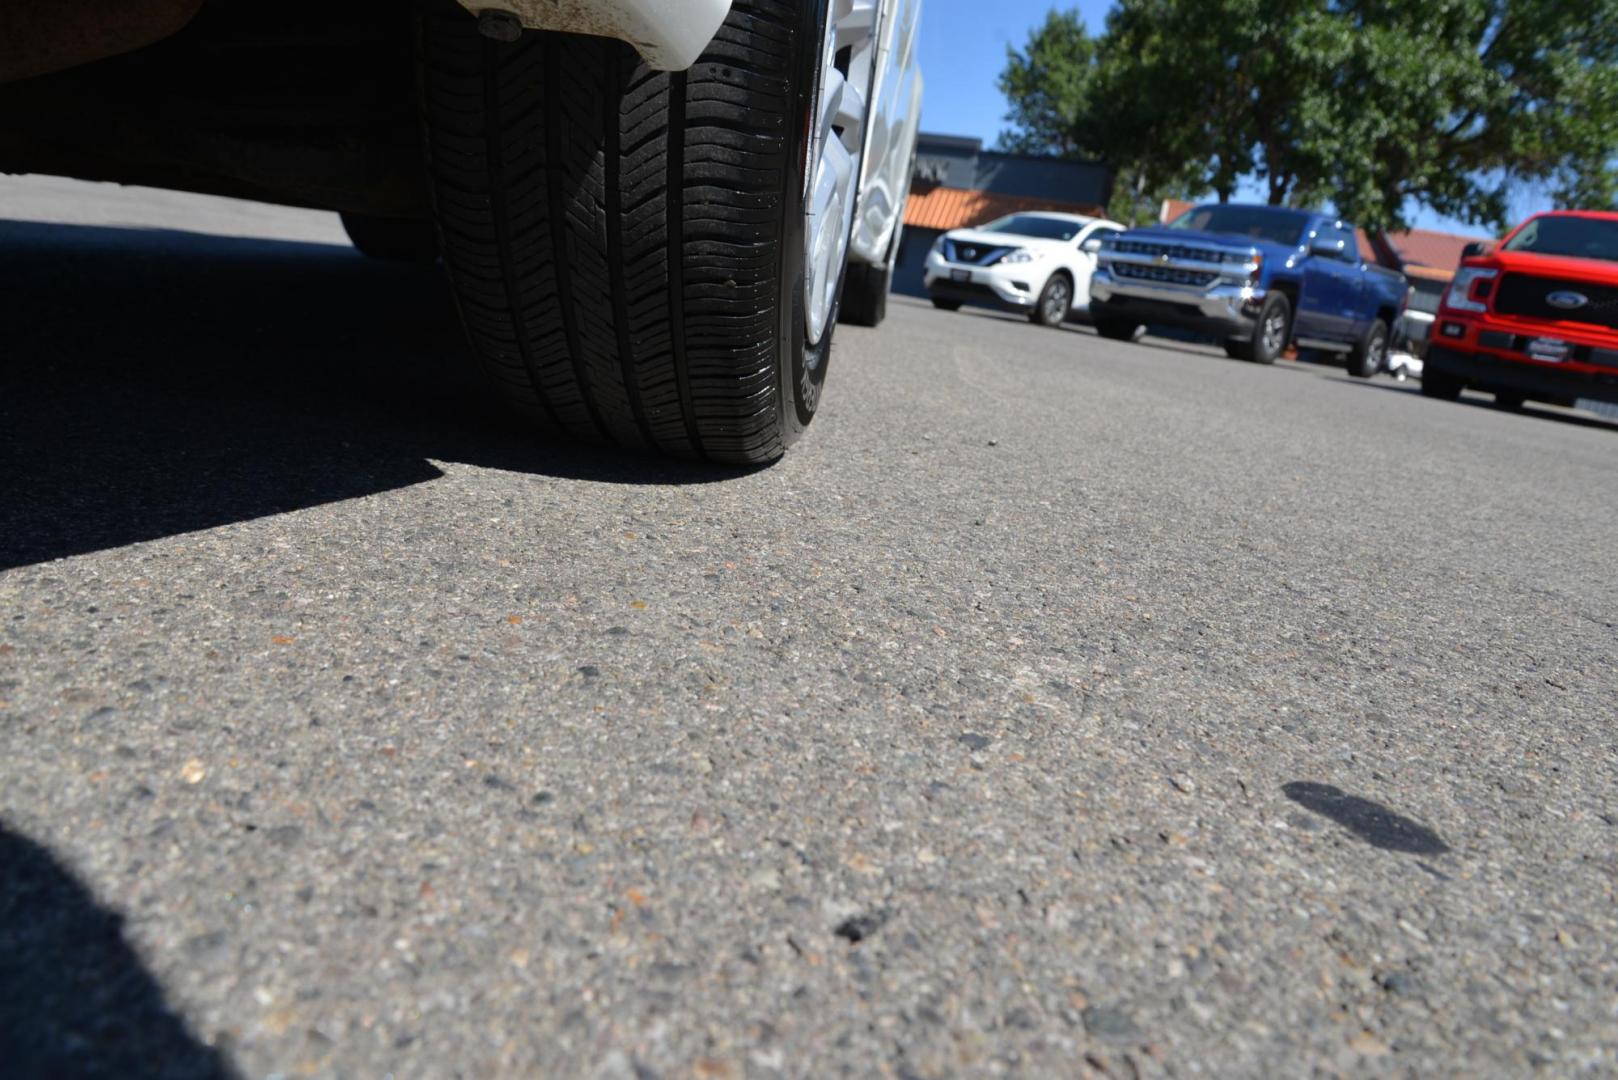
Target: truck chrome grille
(1179,252)
(1523,294)
(1168,275)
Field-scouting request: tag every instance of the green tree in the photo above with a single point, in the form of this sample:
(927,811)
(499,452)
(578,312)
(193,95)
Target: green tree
(1369,104)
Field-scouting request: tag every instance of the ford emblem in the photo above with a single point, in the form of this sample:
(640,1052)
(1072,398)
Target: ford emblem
(1567,301)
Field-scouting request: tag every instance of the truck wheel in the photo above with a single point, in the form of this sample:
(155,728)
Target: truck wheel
(1271,331)
(865,294)
(1117,329)
(1054,301)
(1438,384)
(393,239)
(651,258)
(946,305)
(1371,352)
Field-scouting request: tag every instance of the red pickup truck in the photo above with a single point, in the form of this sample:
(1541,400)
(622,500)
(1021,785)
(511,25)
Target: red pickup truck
(1537,317)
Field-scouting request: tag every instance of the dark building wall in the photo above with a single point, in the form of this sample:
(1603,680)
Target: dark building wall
(963,163)
(911,264)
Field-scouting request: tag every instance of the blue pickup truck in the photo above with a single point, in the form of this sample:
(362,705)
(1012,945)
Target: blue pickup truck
(1257,277)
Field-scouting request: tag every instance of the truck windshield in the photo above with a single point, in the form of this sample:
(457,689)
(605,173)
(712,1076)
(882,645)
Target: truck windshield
(1259,222)
(1045,228)
(1573,237)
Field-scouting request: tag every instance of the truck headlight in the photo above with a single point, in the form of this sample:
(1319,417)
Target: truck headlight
(1470,288)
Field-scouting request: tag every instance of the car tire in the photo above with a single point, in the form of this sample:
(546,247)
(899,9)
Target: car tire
(1272,331)
(946,305)
(1370,353)
(1440,385)
(627,246)
(865,294)
(1055,301)
(406,240)
(1509,401)
(1117,329)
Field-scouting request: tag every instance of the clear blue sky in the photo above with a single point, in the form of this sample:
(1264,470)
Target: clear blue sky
(963,49)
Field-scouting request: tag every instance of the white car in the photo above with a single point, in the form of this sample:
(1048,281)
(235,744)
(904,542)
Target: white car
(1036,263)
(650,210)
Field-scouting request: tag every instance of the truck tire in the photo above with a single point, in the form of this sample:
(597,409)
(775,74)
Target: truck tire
(1370,353)
(865,294)
(946,305)
(1440,385)
(1055,301)
(628,247)
(1117,329)
(392,239)
(1272,331)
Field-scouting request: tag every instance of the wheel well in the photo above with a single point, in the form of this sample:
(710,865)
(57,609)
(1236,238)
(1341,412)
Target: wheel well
(1387,315)
(1290,291)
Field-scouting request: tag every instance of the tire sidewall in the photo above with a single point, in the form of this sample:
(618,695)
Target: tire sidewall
(800,367)
(1259,354)
(1369,358)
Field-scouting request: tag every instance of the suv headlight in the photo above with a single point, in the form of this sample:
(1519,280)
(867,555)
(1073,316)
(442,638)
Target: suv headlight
(1021,255)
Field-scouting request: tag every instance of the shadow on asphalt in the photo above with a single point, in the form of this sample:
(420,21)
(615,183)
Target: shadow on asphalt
(1370,821)
(75,1000)
(1472,400)
(155,382)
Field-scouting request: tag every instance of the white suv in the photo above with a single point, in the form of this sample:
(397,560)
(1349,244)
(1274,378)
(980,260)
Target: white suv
(1036,263)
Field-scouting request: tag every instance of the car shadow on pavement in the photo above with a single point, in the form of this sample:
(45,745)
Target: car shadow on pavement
(1370,821)
(1486,402)
(75,1000)
(156,382)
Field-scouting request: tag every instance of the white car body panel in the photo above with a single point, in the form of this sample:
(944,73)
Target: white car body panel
(891,133)
(668,34)
(1018,285)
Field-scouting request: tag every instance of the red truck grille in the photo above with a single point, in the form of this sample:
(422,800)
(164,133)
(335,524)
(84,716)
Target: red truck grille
(1557,299)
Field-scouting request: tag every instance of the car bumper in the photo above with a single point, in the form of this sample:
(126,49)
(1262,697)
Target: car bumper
(1542,382)
(1012,288)
(669,34)
(1224,310)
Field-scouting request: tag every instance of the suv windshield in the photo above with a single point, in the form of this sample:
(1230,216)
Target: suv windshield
(1259,222)
(1574,237)
(1045,228)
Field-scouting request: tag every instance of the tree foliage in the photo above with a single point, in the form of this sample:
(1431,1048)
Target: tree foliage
(1368,104)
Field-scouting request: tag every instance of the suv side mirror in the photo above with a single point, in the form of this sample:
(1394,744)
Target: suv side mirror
(1475,248)
(1091,245)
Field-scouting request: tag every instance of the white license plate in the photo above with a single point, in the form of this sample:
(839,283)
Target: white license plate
(1551,350)
(960,275)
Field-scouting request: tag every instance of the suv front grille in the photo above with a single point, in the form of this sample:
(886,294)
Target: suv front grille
(1521,294)
(960,251)
(1167,274)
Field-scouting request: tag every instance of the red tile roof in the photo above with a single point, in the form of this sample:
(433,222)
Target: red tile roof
(959,208)
(1424,247)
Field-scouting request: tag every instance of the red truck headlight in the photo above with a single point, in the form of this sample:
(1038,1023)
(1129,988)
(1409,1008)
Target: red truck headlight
(1470,289)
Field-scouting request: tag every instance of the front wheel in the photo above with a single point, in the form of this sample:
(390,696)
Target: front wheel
(865,294)
(391,239)
(1440,385)
(1117,329)
(1054,301)
(946,305)
(647,258)
(1370,353)
(1271,331)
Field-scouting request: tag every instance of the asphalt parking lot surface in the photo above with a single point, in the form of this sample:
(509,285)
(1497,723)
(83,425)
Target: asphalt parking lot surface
(1056,707)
